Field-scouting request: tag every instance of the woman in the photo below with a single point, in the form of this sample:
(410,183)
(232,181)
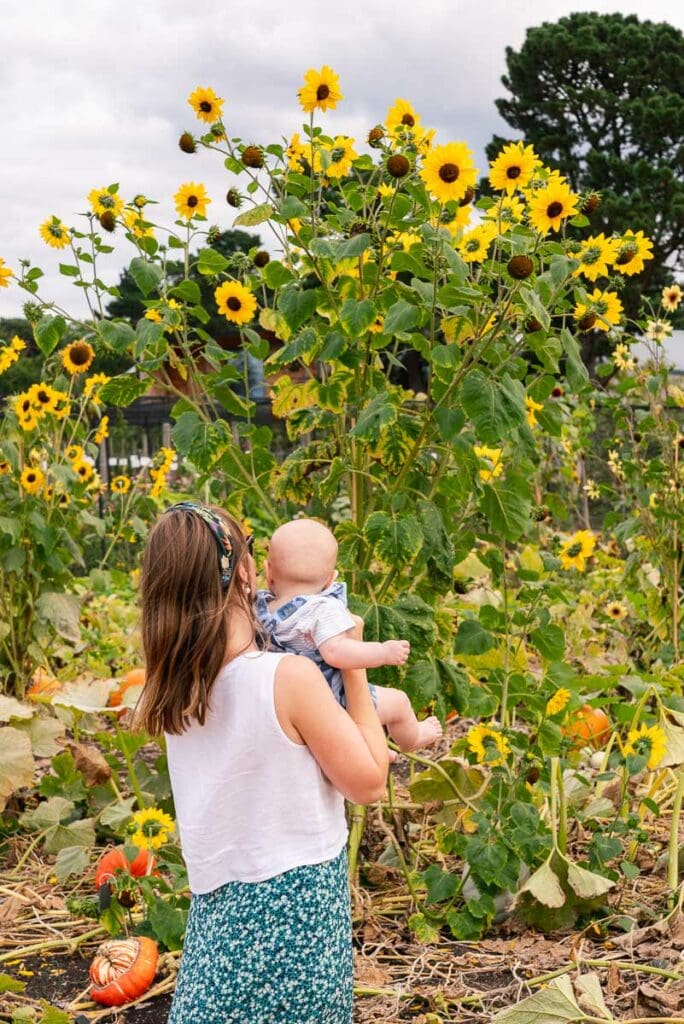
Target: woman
(261,757)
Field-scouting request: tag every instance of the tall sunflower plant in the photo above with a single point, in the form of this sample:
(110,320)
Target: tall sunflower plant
(416,333)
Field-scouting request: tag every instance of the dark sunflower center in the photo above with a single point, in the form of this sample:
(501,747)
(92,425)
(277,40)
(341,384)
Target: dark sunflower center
(554,210)
(31,478)
(409,120)
(25,406)
(513,172)
(192,201)
(473,245)
(574,550)
(449,173)
(79,354)
(43,397)
(82,470)
(205,106)
(234,303)
(615,612)
(322,92)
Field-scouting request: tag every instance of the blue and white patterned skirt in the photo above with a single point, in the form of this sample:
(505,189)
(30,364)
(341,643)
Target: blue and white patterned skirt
(273,952)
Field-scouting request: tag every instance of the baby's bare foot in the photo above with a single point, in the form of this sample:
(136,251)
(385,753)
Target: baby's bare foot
(429,731)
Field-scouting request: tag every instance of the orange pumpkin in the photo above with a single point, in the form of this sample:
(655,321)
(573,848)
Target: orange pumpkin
(588,727)
(116,860)
(136,677)
(122,969)
(43,685)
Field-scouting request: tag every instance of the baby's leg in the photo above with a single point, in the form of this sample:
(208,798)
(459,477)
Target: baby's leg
(395,711)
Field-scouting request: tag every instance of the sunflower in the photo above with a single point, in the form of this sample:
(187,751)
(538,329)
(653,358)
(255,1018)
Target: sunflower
(120,485)
(138,227)
(596,255)
(236,302)
(17,344)
(558,702)
(488,745)
(102,431)
(29,422)
(647,739)
(83,469)
(455,219)
(473,246)
(191,200)
(55,233)
(506,212)
(402,115)
(551,205)
(5,274)
(8,356)
(658,330)
(340,154)
(207,105)
(77,356)
(448,171)
(532,407)
(671,297)
(102,200)
(616,611)
(406,239)
(513,167)
(606,306)
(96,380)
(492,457)
(634,250)
(154,315)
(74,452)
(321,90)
(32,480)
(576,550)
(153,828)
(622,359)
(44,397)
(5,467)
(296,154)
(22,405)
(377,325)
(592,489)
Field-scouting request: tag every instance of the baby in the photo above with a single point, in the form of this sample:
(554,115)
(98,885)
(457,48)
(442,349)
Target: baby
(305,612)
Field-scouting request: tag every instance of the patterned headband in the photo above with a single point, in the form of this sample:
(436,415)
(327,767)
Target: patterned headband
(224,544)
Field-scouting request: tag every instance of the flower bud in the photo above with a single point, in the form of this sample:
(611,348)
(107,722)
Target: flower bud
(532,325)
(233,198)
(591,203)
(107,220)
(375,136)
(520,267)
(398,165)
(187,143)
(253,156)
(261,258)
(468,196)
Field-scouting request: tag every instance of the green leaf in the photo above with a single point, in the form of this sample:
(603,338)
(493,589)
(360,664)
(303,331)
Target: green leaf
(441,885)
(549,641)
(188,291)
(471,638)
(146,275)
(123,390)
(63,611)
(292,207)
(424,930)
(199,440)
(507,506)
(10,984)
(575,370)
(396,539)
(400,318)
(211,262)
(496,408)
(71,860)
(298,306)
(116,334)
(48,333)
(554,1004)
(375,417)
(257,215)
(276,275)
(356,317)
(304,346)
(168,923)
(51,1015)
(351,247)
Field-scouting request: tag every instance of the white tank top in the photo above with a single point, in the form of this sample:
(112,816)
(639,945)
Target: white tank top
(250,802)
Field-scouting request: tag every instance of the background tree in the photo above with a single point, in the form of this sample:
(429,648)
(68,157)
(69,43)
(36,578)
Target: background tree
(601,96)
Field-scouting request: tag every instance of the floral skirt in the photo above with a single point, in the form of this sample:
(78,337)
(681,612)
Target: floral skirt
(273,952)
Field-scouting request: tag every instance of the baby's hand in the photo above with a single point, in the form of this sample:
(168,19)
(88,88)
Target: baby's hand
(396,651)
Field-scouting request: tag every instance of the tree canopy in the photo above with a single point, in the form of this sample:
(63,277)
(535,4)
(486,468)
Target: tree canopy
(601,96)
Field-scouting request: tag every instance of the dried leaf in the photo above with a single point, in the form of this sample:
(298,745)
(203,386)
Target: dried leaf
(587,884)
(674,744)
(10,909)
(667,996)
(544,886)
(555,1004)
(16,762)
(91,763)
(589,995)
(10,707)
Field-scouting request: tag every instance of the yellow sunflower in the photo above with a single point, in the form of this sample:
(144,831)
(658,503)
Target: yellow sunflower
(17,344)
(92,383)
(577,549)
(606,306)
(634,249)
(532,408)
(138,227)
(207,105)
(448,171)
(402,115)
(296,154)
(671,297)
(377,325)
(5,274)
(102,431)
(191,200)
(454,218)
(508,210)
(596,255)
(557,702)
(622,358)
(8,356)
(120,485)
(83,469)
(616,611)
(153,828)
(492,458)
(236,302)
(513,167)
(321,90)
(74,452)
(5,467)
(103,201)
(658,330)
(77,356)
(552,204)
(55,233)
(488,745)
(340,155)
(154,315)
(32,480)
(22,405)
(44,397)
(647,739)
(474,245)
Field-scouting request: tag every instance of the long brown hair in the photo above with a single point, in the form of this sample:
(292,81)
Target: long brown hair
(186,618)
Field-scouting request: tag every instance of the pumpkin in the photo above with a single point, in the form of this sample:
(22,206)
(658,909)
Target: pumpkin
(588,727)
(122,969)
(136,677)
(116,860)
(43,685)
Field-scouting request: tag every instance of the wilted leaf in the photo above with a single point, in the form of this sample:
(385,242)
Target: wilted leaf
(587,884)
(86,694)
(674,744)
(63,612)
(90,762)
(10,708)
(544,886)
(71,860)
(43,733)
(589,995)
(16,762)
(555,1004)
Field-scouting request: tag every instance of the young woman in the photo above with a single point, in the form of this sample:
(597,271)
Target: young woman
(261,757)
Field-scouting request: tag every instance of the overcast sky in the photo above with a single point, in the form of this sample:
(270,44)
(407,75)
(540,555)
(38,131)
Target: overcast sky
(94,91)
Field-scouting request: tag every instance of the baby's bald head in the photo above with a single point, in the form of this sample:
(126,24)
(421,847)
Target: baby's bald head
(301,556)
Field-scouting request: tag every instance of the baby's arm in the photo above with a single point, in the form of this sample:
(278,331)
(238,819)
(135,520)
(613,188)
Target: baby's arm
(343,652)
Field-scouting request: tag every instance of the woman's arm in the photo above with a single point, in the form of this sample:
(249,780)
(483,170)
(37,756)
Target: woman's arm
(350,748)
